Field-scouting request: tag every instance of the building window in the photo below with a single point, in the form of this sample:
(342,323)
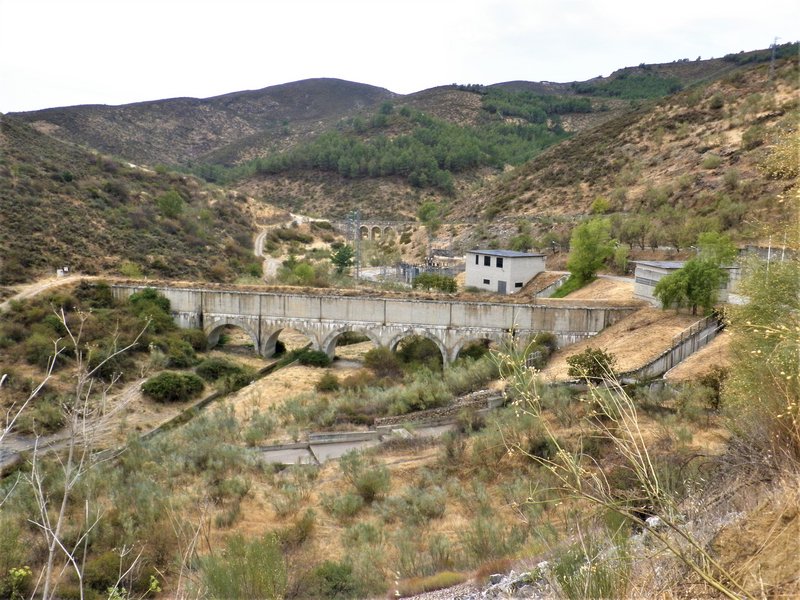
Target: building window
(499,263)
(518,284)
(476,259)
(487,261)
(486,282)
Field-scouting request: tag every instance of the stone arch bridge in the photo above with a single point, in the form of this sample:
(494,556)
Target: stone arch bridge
(450,324)
(374,229)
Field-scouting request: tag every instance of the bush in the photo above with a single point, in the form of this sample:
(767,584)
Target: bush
(310,358)
(196,338)
(384,363)
(95,295)
(434,281)
(327,383)
(333,580)
(486,538)
(370,478)
(343,506)
(589,570)
(44,416)
(173,387)
(180,354)
(593,364)
(253,569)
(711,161)
(212,369)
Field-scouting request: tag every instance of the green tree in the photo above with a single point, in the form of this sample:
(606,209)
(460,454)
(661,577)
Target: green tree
(695,285)
(592,364)
(716,248)
(342,258)
(590,246)
(170,204)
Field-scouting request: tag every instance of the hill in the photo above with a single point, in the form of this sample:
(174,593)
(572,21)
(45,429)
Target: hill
(185,130)
(61,205)
(511,163)
(705,152)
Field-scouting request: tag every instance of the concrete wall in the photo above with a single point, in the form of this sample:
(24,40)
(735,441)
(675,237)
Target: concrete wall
(450,324)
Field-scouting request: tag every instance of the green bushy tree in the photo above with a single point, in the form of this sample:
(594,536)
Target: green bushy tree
(590,246)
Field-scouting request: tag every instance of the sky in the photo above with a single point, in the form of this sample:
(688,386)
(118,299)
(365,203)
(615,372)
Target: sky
(66,52)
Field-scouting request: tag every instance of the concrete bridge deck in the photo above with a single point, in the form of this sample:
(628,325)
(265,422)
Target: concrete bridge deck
(386,320)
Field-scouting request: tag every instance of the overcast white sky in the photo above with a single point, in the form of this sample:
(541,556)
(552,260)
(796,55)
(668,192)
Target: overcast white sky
(65,52)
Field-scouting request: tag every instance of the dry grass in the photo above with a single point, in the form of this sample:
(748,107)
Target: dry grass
(634,341)
(715,354)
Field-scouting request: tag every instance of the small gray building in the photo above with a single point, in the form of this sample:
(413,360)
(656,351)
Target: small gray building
(649,272)
(501,271)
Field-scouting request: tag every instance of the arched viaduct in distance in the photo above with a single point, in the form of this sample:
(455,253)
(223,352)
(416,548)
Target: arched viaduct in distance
(450,324)
(372,229)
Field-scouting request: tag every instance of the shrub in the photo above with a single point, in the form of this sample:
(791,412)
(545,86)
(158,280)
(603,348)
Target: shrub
(180,354)
(212,369)
(333,580)
(384,363)
(343,506)
(45,416)
(434,281)
(369,478)
(173,387)
(716,102)
(196,338)
(261,427)
(592,364)
(298,532)
(327,383)
(312,358)
(486,538)
(130,269)
(95,295)
(474,350)
(711,161)
(247,569)
(588,570)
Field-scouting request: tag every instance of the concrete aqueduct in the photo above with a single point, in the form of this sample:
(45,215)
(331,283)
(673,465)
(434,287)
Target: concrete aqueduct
(450,324)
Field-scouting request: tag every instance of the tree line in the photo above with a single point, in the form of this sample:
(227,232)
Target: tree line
(426,156)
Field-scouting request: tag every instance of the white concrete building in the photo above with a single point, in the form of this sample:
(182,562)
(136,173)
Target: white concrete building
(501,271)
(649,272)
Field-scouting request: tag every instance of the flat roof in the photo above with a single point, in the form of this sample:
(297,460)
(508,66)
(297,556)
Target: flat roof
(505,253)
(669,264)
(661,264)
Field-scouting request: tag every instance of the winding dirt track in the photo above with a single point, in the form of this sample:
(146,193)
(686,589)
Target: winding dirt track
(37,287)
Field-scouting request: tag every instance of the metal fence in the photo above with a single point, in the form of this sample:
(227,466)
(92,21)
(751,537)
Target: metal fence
(683,345)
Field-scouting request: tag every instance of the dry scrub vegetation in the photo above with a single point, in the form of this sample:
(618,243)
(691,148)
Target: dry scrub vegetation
(559,475)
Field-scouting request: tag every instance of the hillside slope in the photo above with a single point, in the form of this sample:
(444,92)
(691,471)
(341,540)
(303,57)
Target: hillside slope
(703,152)
(182,130)
(63,206)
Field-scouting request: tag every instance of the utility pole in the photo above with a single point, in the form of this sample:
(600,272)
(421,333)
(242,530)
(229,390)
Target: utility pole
(772,60)
(355,219)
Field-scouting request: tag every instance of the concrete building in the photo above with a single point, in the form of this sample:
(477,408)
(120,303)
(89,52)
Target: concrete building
(501,271)
(649,272)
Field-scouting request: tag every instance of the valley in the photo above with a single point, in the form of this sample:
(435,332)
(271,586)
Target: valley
(234,286)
